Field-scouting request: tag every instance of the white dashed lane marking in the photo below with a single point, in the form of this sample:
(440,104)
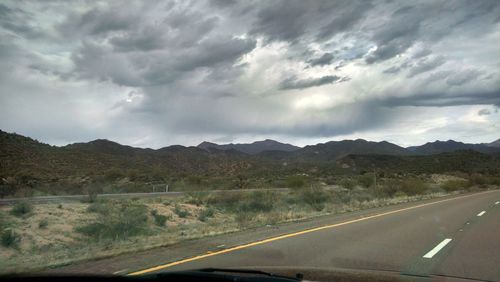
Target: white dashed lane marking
(481,213)
(436,249)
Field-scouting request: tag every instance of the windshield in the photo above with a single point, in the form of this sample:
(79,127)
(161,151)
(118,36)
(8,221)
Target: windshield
(138,137)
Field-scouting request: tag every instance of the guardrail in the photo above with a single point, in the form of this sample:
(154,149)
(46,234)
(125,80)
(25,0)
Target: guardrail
(65,198)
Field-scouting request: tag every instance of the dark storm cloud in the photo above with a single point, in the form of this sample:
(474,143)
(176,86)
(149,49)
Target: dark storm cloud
(325,59)
(294,83)
(441,99)
(17,21)
(426,65)
(287,20)
(98,21)
(484,112)
(392,69)
(212,67)
(345,18)
(462,77)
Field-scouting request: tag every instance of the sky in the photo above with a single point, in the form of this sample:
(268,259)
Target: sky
(157,73)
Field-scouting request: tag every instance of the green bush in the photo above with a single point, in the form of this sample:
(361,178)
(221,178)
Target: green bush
(154,212)
(455,185)
(348,183)
(160,219)
(99,207)
(244,219)
(388,188)
(181,212)
(258,202)
(296,181)
(10,238)
(122,221)
(43,223)
(22,209)
(400,194)
(366,180)
(477,179)
(315,197)
(413,186)
(205,214)
(225,200)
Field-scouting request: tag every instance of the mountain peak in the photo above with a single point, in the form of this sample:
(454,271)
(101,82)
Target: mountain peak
(250,148)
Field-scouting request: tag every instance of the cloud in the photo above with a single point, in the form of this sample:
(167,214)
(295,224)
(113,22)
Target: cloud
(426,65)
(158,73)
(294,83)
(462,77)
(325,59)
(484,112)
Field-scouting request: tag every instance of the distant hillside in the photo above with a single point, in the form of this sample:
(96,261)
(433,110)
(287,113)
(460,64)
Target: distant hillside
(465,161)
(252,148)
(450,146)
(25,162)
(336,149)
(495,144)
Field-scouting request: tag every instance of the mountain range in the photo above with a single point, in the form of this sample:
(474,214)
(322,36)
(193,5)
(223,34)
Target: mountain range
(252,148)
(26,158)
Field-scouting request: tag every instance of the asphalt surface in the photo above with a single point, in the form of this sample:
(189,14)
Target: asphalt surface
(457,237)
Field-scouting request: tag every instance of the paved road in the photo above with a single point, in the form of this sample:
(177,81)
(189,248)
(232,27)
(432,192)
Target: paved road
(457,236)
(51,199)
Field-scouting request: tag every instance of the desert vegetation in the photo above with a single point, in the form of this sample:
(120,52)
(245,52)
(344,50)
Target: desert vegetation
(42,235)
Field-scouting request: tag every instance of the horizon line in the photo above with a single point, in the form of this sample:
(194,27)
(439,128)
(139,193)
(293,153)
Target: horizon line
(220,144)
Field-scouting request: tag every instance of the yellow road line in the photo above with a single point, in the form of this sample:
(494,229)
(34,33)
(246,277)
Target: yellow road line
(163,266)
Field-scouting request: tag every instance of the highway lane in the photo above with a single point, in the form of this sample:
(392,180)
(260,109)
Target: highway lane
(394,241)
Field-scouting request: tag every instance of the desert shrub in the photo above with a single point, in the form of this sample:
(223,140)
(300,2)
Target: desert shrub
(366,180)
(205,214)
(113,174)
(296,181)
(60,206)
(400,194)
(273,218)
(361,196)
(388,188)
(195,180)
(315,197)
(22,209)
(244,219)
(455,185)
(225,200)
(121,222)
(92,190)
(43,223)
(493,180)
(160,219)
(413,186)
(153,212)
(477,179)
(180,211)
(10,238)
(348,183)
(258,202)
(99,207)
(197,198)
(434,189)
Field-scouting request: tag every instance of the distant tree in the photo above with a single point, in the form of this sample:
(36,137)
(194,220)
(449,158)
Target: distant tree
(92,189)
